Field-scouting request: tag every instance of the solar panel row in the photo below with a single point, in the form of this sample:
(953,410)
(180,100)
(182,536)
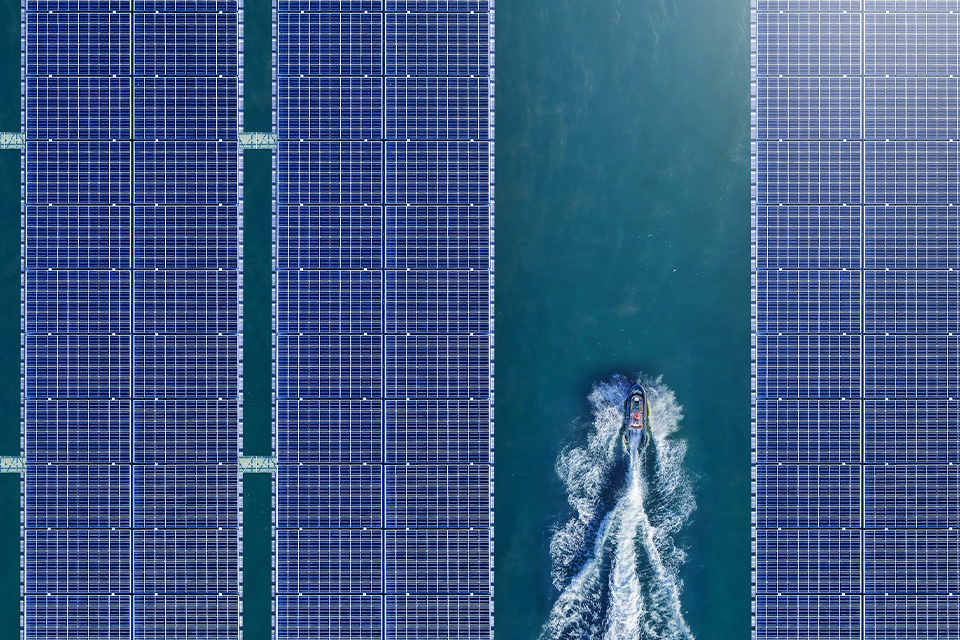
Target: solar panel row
(383,292)
(855,124)
(131,292)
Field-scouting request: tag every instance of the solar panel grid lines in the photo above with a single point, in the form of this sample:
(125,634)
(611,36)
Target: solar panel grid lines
(881,442)
(131,311)
(380,369)
(25,448)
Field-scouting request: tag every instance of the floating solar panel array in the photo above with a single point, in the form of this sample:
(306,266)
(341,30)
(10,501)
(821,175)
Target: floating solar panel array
(856,129)
(383,196)
(131,290)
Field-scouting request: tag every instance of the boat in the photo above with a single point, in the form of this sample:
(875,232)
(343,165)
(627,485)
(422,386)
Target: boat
(635,418)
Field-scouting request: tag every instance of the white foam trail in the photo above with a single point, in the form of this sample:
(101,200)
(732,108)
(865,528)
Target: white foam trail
(627,608)
(618,571)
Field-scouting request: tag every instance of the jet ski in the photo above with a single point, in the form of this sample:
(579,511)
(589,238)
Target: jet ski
(635,413)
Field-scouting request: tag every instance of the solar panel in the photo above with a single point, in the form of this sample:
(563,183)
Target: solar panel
(104,617)
(329,431)
(315,617)
(911,617)
(330,561)
(809,561)
(801,617)
(383,291)
(924,432)
(855,235)
(131,319)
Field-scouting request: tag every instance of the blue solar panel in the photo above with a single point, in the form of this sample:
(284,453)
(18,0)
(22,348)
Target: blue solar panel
(808,431)
(182,617)
(855,127)
(905,44)
(329,431)
(910,172)
(317,617)
(195,237)
(808,5)
(437,6)
(911,302)
(131,319)
(808,173)
(437,237)
(329,366)
(919,6)
(808,237)
(808,496)
(911,496)
(798,617)
(78,431)
(911,617)
(66,108)
(808,108)
(911,561)
(437,431)
(382,319)
(329,496)
(911,366)
(437,173)
(77,302)
(185,496)
(178,108)
(808,366)
(186,561)
(185,367)
(437,302)
(186,431)
(429,366)
(329,173)
(162,180)
(925,432)
(440,617)
(78,173)
(431,108)
(810,561)
(808,44)
(77,237)
(912,108)
(312,6)
(186,302)
(105,488)
(808,301)
(436,496)
(186,6)
(329,108)
(185,44)
(329,237)
(77,6)
(901,237)
(91,617)
(446,561)
(78,44)
(330,561)
(329,302)
(77,366)
(329,44)
(77,561)
(453,44)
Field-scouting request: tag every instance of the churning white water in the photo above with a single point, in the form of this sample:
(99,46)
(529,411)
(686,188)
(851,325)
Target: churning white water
(615,563)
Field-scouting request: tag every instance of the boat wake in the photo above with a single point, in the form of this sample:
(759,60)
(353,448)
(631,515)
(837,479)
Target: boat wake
(614,561)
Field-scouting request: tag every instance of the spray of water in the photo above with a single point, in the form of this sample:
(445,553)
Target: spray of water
(615,563)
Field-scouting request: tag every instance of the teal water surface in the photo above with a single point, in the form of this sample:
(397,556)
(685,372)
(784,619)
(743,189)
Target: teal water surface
(9,316)
(622,246)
